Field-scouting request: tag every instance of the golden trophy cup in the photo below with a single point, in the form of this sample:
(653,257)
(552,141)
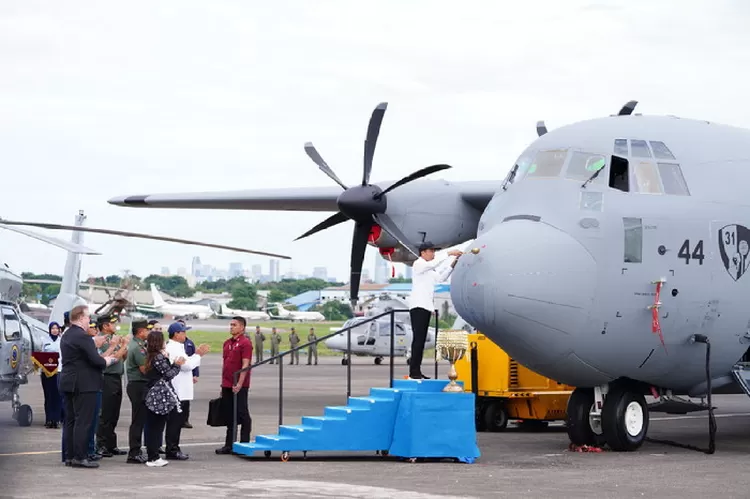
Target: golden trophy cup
(452,345)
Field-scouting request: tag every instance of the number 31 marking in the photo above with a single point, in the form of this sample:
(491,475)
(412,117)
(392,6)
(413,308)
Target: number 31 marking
(696,255)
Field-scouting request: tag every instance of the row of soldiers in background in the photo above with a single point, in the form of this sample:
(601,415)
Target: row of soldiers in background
(312,350)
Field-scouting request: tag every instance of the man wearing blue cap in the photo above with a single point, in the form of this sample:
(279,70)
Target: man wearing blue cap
(189,350)
(183,386)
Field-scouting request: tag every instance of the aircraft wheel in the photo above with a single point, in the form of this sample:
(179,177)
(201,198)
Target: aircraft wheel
(582,428)
(625,419)
(495,416)
(378,361)
(25,415)
(344,361)
(267,453)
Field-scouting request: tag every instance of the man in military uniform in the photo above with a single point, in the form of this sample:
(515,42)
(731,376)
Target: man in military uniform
(275,342)
(136,390)
(106,438)
(312,349)
(259,339)
(294,341)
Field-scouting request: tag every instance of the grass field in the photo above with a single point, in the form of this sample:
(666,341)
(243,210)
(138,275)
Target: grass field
(215,339)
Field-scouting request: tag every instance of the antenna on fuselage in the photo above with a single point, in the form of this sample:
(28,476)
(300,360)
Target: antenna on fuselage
(628,108)
(541,128)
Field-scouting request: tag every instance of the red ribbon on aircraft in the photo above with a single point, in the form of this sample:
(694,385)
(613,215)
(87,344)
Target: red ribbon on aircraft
(655,326)
(48,362)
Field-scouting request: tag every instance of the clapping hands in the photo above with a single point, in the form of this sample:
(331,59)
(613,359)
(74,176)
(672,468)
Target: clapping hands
(179,361)
(203,349)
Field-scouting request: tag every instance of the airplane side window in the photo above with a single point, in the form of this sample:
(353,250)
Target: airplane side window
(621,147)
(583,164)
(674,182)
(12,325)
(661,151)
(618,174)
(633,240)
(640,149)
(647,178)
(548,163)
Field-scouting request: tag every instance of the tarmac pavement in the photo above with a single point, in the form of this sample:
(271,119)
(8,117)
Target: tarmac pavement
(513,463)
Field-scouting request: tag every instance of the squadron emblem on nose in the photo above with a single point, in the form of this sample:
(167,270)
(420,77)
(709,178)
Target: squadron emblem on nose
(734,246)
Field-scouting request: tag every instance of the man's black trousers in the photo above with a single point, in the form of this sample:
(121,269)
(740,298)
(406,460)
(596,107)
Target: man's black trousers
(243,414)
(110,415)
(420,322)
(137,395)
(80,408)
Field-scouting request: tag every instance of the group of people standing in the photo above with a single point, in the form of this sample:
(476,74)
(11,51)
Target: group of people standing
(86,392)
(294,341)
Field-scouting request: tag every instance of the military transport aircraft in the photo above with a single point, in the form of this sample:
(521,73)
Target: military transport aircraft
(611,252)
(22,335)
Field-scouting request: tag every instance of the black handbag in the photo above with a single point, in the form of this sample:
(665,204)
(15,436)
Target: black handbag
(215,413)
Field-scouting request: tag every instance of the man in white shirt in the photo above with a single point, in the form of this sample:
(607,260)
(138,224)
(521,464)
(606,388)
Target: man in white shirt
(426,273)
(183,386)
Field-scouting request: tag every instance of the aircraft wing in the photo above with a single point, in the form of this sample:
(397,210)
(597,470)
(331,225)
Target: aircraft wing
(474,193)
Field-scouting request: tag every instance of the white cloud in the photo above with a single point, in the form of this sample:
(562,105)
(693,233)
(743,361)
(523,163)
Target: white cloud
(101,99)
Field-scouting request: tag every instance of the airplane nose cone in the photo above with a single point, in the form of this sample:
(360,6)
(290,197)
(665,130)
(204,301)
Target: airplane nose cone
(529,287)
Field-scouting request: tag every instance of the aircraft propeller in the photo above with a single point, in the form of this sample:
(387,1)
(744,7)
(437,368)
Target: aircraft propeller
(9,224)
(365,204)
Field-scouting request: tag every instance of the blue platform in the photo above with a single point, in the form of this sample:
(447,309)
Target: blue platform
(414,419)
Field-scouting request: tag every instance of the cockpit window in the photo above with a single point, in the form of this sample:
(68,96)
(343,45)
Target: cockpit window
(647,178)
(583,165)
(661,151)
(671,177)
(639,149)
(621,147)
(11,324)
(548,163)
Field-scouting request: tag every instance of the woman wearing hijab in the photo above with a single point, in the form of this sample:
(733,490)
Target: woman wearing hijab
(52,397)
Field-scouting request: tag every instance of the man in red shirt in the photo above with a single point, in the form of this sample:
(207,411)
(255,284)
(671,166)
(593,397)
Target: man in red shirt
(238,350)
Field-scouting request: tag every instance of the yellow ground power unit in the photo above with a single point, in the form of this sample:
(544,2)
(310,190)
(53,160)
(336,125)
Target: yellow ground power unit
(505,390)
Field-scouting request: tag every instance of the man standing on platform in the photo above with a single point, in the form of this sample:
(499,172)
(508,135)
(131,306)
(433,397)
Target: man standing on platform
(238,352)
(426,273)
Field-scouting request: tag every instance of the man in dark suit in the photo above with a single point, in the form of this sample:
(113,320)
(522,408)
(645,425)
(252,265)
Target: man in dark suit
(80,381)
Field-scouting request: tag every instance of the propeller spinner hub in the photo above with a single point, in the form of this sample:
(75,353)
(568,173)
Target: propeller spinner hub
(359,203)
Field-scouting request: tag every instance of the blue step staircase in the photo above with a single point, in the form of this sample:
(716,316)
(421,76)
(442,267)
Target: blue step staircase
(414,419)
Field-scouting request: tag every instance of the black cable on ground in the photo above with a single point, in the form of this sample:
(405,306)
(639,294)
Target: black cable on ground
(700,338)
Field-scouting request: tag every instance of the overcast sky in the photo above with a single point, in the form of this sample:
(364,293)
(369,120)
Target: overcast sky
(99,99)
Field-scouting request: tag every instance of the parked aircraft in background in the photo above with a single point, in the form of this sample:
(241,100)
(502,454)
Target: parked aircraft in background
(294,315)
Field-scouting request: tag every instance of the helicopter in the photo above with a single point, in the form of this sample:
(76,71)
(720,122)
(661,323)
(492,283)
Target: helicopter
(22,337)
(374,338)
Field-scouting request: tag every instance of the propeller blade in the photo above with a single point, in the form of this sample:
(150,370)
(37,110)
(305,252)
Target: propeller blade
(66,245)
(135,234)
(393,230)
(328,222)
(414,176)
(313,153)
(359,245)
(628,108)
(541,128)
(373,130)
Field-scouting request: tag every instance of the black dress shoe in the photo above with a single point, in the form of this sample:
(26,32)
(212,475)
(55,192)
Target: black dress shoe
(224,450)
(187,424)
(68,462)
(105,453)
(179,456)
(139,459)
(85,463)
(118,452)
(162,451)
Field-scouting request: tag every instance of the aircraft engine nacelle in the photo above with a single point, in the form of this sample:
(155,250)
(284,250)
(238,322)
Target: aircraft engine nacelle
(441,217)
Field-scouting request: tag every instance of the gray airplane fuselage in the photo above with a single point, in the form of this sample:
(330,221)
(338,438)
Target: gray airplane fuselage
(564,275)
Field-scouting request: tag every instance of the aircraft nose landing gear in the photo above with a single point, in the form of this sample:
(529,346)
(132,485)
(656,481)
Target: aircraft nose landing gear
(22,413)
(615,415)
